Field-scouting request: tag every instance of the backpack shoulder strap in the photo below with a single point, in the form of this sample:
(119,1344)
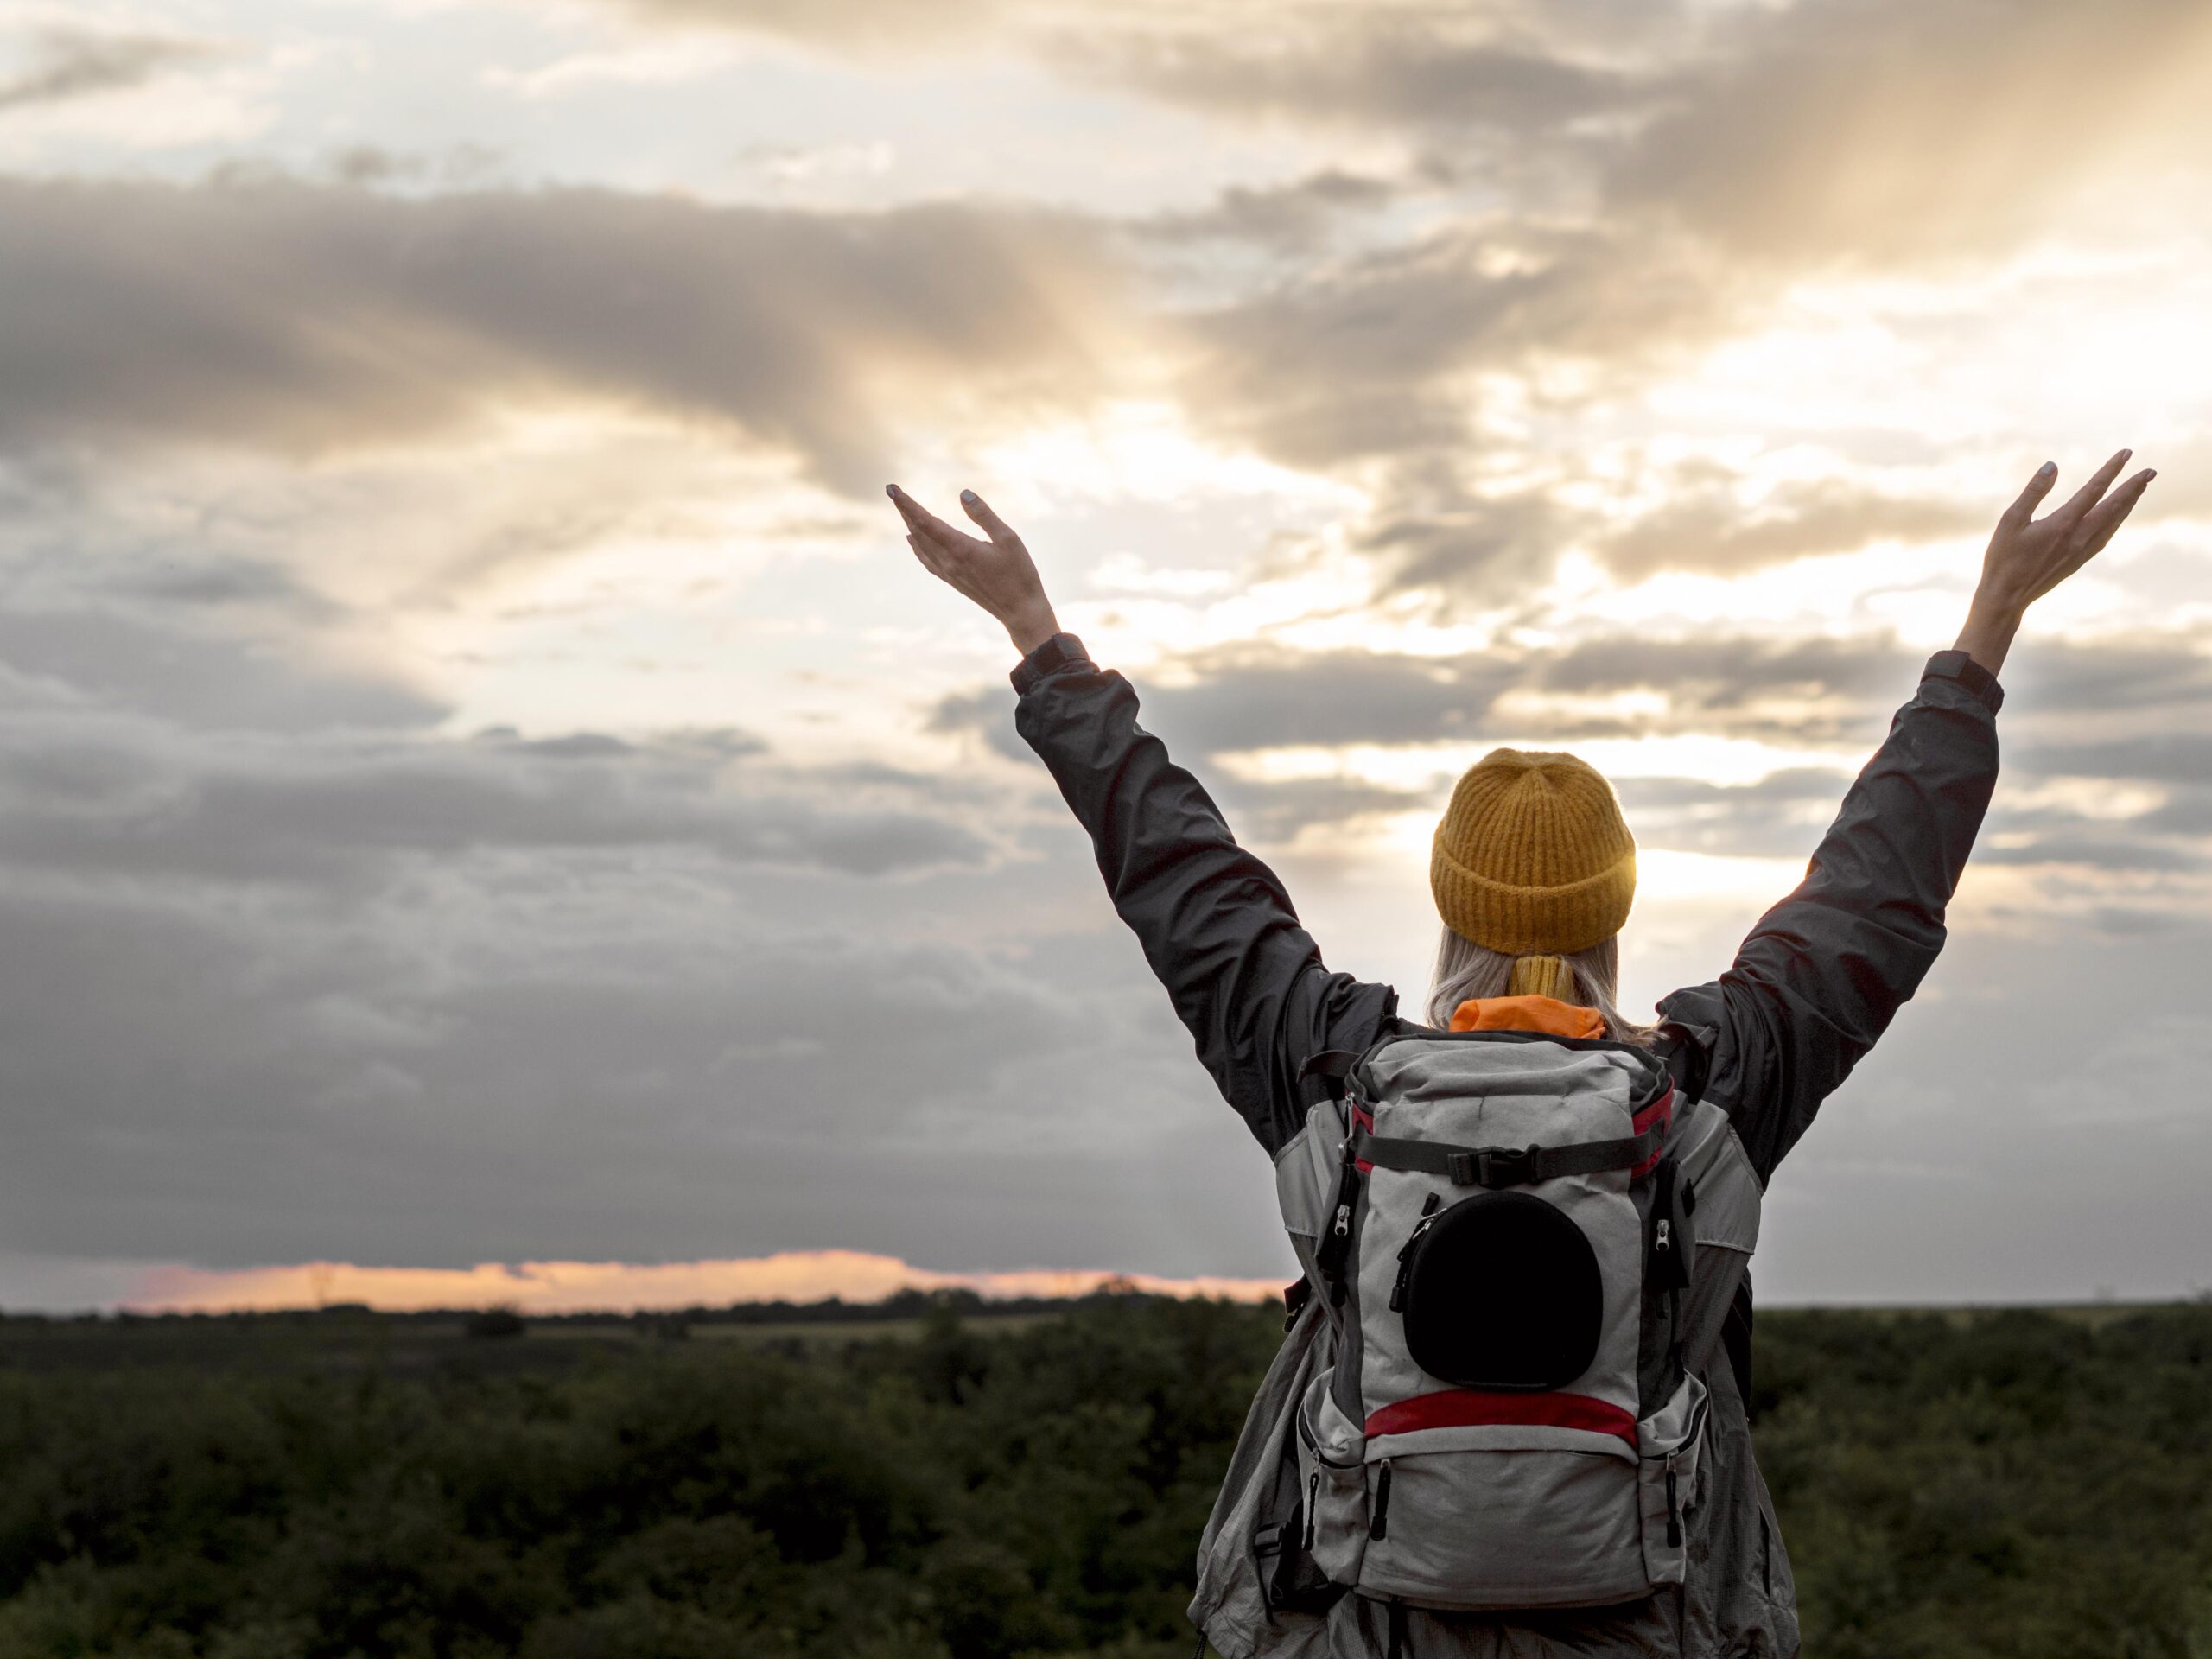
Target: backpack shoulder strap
(1686,1059)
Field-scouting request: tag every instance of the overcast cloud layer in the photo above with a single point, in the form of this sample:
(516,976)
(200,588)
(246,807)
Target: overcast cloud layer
(482,780)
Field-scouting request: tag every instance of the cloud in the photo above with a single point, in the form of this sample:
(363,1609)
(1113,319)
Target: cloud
(1709,529)
(1242,699)
(2164,756)
(861,29)
(1781,815)
(1518,68)
(1584,186)
(63,63)
(1370,355)
(1887,134)
(337,809)
(1236,700)
(300,319)
(637,1058)
(294,969)
(1465,72)
(1728,672)
(1820,694)
(1293,217)
(1873,130)
(210,675)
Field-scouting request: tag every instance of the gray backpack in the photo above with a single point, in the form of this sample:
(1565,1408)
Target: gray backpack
(1502,1246)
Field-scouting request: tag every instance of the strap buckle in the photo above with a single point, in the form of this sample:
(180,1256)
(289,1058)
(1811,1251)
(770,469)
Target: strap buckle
(1506,1166)
(1493,1167)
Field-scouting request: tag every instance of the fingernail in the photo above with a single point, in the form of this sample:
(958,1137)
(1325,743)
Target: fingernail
(2048,467)
(968,495)
(2149,475)
(891,490)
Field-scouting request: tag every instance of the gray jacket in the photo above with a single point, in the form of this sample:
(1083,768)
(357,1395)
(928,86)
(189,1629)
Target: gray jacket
(1814,984)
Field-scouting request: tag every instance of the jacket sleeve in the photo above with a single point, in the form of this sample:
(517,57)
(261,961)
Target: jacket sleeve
(1216,926)
(1820,977)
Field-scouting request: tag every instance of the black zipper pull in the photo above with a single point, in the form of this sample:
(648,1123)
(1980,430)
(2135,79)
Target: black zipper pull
(1336,1242)
(1674,1515)
(1665,1271)
(1313,1506)
(1379,1528)
(1406,1250)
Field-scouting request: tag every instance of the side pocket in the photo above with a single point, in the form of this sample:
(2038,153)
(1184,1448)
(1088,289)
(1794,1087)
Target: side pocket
(1305,1172)
(1290,1579)
(1332,1473)
(1670,1444)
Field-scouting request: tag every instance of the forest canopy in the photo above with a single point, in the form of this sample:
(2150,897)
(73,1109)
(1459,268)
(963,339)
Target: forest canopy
(959,1486)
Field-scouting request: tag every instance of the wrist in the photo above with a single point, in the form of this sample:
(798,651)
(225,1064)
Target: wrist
(1996,610)
(1032,626)
(1991,624)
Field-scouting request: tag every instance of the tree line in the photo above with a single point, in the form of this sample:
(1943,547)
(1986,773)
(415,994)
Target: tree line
(2019,1484)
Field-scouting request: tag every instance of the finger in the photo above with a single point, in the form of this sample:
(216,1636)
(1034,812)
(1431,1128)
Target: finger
(2099,524)
(2085,497)
(916,516)
(994,526)
(908,509)
(2024,505)
(936,530)
(928,554)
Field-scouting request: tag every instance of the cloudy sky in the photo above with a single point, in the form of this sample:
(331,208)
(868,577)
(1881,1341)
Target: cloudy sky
(483,781)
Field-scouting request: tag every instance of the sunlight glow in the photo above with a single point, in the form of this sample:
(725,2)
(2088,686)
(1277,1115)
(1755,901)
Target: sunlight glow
(627,1287)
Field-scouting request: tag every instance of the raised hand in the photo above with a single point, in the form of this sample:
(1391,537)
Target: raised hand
(2028,556)
(994,569)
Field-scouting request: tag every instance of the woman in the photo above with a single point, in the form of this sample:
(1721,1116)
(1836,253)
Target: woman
(1533,871)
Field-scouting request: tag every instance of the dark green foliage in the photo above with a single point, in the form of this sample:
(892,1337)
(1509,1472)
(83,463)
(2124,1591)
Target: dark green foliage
(2011,1483)
(2014,1483)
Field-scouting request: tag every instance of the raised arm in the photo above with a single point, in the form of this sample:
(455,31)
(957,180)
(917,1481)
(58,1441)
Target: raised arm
(1821,976)
(1214,921)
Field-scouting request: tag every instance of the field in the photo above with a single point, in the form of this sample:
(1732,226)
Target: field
(926,1480)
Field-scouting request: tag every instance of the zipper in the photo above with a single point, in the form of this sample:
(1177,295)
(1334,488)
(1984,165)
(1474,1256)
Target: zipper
(1336,1244)
(1313,1506)
(1406,1250)
(1665,1269)
(1313,1443)
(1674,1462)
(1379,1528)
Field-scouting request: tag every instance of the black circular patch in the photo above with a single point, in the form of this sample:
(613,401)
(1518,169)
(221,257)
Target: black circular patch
(1502,1292)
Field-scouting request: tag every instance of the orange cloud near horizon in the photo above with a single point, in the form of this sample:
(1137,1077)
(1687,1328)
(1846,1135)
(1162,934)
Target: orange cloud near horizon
(626,1287)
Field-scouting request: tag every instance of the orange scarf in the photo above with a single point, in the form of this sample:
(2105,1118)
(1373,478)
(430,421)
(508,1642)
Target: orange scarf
(1545,1014)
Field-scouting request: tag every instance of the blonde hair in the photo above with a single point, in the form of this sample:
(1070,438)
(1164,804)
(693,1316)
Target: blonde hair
(1465,968)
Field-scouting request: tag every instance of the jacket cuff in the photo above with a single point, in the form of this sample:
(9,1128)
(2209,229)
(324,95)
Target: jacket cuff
(1059,649)
(1958,665)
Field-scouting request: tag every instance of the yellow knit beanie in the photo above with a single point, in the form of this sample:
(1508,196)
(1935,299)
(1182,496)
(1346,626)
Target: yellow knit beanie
(1533,858)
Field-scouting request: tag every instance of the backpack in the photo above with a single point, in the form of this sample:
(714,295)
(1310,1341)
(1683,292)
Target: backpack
(1503,1244)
